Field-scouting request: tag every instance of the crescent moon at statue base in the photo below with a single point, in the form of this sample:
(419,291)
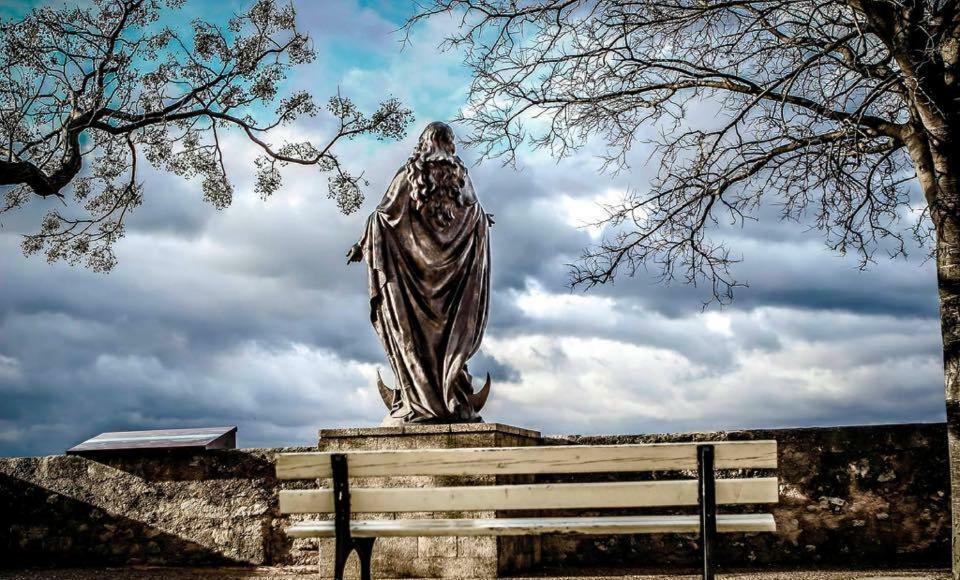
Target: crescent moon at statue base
(391,397)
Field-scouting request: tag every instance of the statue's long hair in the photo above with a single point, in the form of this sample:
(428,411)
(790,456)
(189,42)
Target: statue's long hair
(436,173)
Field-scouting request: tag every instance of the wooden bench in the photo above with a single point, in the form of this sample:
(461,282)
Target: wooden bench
(706,492)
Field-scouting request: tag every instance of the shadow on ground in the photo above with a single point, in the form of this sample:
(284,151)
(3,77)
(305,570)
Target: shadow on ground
(41,525)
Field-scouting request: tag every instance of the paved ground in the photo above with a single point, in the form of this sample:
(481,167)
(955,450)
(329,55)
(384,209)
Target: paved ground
(140,573)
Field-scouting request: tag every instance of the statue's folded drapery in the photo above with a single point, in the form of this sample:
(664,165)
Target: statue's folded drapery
(429,298)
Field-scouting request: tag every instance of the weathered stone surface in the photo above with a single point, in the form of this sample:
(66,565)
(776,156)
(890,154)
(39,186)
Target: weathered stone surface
(214,507)
(415,430)
(850,497)
(870,496)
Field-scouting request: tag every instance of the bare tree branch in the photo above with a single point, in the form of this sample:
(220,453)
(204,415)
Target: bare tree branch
(829,108)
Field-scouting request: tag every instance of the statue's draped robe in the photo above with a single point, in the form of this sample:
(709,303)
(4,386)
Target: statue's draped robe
(429,298)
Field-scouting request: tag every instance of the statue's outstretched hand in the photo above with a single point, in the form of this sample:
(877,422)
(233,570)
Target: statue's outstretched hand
(354,254)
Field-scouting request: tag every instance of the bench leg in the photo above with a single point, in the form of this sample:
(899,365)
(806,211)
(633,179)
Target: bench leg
(345,542)
(708,508)
(340,555)
(364,548)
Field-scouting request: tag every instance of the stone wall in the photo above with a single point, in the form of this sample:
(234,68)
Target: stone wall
(850,496)
(162,508)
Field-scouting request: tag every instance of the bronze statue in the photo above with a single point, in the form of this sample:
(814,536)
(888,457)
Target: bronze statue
(427,249)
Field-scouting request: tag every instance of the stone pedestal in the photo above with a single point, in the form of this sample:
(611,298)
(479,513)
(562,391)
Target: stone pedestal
(437,557)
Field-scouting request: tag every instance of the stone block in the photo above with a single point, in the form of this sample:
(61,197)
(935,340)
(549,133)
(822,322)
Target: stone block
(477,547)
(436,557)
(437,547)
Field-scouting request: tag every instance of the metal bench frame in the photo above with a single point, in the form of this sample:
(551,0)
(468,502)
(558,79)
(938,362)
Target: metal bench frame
(346,543)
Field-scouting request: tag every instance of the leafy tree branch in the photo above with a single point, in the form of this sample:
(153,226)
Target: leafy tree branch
(86,92)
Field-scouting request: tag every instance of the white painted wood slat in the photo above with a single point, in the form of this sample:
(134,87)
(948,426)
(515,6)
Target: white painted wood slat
(533,526)
(531,496)
(530,460)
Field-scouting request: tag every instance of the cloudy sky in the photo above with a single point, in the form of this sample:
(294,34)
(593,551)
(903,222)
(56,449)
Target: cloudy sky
(249,317)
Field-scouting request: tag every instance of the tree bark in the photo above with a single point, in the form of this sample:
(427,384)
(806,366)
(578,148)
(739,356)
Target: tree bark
(944,200)
(948,282)
(932,139)
(17,172)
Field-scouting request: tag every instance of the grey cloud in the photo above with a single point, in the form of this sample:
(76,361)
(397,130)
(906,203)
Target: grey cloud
(250,316)
(814,381)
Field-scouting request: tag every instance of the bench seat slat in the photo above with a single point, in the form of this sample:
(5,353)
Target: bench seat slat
(531,460)
(530,526)
(532,496)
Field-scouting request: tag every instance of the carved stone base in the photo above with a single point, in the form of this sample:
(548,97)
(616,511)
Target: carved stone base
(437,557)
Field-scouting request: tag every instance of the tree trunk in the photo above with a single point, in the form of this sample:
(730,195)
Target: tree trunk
(932,139)
(939,182)
(948,282)
(938,169)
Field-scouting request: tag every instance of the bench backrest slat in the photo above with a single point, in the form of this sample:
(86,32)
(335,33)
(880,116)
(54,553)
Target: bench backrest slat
(533,496)
(531,460)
